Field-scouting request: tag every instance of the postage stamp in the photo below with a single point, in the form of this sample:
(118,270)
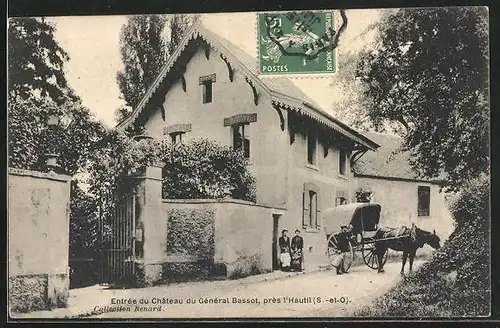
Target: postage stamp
(296,43)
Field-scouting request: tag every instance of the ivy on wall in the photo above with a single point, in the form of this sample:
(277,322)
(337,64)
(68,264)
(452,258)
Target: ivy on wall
(191,232)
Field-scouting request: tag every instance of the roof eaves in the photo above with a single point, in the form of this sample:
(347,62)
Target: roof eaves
(324,118)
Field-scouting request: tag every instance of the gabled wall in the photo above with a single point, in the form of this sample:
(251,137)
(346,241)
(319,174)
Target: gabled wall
(229,98)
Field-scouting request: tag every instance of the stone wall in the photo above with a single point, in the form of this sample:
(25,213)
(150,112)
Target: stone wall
(38,240)
(235,240)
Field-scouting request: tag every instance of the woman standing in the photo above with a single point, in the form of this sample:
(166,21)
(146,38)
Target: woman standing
(284,243)
(296,251)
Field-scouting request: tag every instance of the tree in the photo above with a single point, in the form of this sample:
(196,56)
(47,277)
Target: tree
(429,73)
(30,138)
(349,102)
(36,62)
(145,44)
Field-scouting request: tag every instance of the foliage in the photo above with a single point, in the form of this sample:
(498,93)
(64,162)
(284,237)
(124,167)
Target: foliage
(116,157)
(145,47)
(204,169)
(30,138)
(36,61)
(143,51)
(83,231)
(191,232)
(429,73)
(456,281)
(363,195)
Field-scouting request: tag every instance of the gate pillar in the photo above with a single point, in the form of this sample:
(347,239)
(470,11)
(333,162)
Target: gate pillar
(150,219)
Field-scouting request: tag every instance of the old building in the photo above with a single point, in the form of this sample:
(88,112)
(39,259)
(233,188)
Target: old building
(300,155)
(405,197)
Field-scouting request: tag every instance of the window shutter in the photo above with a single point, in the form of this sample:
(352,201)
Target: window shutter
(318,216)
(305,209)
(315,209)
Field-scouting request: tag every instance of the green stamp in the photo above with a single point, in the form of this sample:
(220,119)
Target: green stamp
(297,42)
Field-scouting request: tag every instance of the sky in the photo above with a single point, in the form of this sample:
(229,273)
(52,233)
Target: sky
(92,43)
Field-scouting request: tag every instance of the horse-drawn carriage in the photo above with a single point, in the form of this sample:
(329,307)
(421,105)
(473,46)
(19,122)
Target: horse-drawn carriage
(360,232)
(358,224)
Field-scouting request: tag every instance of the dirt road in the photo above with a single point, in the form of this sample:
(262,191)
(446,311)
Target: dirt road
(320,294)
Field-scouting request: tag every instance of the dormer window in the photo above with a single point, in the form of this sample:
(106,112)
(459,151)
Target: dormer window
(206,87)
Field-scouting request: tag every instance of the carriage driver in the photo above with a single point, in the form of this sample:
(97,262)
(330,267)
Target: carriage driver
(343,244)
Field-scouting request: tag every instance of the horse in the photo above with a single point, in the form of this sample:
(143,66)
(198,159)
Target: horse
(404,239)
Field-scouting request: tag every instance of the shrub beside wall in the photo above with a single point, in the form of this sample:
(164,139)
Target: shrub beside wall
(191,232)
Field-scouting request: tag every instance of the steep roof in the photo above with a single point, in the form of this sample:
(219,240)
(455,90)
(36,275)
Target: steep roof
(283,92)
(388,160)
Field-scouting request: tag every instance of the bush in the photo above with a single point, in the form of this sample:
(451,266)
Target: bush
(203,169)
(191,232)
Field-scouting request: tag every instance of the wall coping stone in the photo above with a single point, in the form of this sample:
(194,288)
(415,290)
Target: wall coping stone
(222,201)
(40,175)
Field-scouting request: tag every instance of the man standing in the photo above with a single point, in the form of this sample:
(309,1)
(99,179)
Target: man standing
(297,245)
(342,242)
(284,243)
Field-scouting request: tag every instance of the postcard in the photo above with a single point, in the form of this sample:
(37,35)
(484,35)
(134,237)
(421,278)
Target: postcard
(272,164)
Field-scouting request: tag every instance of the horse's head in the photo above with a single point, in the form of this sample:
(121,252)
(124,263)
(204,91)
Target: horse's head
(432,239)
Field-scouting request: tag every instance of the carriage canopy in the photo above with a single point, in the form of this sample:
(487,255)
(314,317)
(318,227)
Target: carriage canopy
(362,216)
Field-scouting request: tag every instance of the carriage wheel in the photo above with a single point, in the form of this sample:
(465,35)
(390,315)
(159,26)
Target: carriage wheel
(369,256)
(334,250)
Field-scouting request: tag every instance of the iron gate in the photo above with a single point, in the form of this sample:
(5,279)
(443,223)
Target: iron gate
(118,220)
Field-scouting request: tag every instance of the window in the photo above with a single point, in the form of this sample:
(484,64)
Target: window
(311,147)
(424,199)
(176,137)
(206,84)
(313,209)
(342,161)
(207,92)
(241,138)
(310,206)
(340,201)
